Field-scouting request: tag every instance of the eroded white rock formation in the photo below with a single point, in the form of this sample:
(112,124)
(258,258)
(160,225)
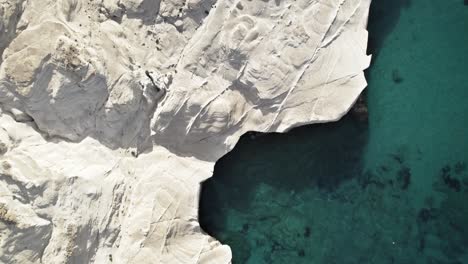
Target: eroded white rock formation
(113,112)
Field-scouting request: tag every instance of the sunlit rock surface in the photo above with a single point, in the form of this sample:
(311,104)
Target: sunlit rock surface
(113,112)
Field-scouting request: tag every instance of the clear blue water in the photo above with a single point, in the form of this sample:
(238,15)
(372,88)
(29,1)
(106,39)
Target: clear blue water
(390,190)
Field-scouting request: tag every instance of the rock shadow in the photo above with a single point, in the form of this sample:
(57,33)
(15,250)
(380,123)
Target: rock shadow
(85,114)
(320,156)
(383,17)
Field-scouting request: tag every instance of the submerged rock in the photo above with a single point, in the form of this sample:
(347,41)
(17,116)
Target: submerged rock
(396,76)
(360,110)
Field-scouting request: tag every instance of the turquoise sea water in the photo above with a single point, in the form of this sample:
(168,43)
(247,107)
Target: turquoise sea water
(392,190)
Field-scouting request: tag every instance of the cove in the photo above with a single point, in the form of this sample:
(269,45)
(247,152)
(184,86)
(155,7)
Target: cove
(393,189)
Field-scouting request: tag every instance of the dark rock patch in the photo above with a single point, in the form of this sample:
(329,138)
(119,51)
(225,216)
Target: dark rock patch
(451,182)
(307,232)
(425,215)
(459,167)
(396,77)
(404,178)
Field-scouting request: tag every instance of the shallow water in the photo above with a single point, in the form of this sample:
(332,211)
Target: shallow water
(393,190)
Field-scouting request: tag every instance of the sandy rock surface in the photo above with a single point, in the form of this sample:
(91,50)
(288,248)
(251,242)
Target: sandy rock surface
(113,112)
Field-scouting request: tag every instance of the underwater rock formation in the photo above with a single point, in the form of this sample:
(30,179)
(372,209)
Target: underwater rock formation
(113,112)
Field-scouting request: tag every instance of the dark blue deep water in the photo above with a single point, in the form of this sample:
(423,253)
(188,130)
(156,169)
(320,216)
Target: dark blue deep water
(393,189)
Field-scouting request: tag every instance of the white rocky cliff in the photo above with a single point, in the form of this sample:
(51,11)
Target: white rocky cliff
(114,111)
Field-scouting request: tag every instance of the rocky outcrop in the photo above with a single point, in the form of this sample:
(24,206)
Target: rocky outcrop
(113,112)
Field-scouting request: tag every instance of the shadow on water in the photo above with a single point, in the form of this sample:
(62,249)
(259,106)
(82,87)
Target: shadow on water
(320,156)
(383,17)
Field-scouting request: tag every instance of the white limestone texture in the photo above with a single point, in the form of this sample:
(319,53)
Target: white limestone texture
(114,111)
